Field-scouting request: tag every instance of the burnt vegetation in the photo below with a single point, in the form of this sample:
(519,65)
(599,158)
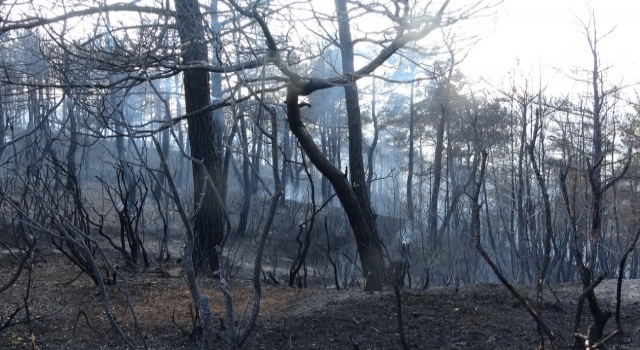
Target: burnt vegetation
(184,174)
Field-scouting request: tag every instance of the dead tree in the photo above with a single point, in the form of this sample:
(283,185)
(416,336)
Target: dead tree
(478,178)
(350,187)
(548,228)
(594,259)
(397,271)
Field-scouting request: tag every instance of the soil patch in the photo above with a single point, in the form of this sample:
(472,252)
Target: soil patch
(476,317)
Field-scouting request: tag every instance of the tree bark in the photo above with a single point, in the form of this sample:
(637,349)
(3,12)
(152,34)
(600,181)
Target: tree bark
(246,179)
(374,143)
(287,171)
(410,161)
(369,244)
(208,221)
(3,119)
(216,78)
(363,225)
(352,193)
(325,185)
(256,153)
(72,175)
(437,161)
(117,116)
(521,217)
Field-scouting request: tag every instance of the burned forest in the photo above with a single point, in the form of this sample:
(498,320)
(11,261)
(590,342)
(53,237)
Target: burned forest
(234,174)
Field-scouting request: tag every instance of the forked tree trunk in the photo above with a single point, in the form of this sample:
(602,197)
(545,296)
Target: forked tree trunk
(353,193)
(369,244)
(438,153)
(361,219)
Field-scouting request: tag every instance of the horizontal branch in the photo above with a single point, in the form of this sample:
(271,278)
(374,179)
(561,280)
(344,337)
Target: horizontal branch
(28,23)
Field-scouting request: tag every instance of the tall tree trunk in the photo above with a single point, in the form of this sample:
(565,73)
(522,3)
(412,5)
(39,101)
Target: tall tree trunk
(439,151)
(521,217)
(325,186)
(72,167)
(374,143)
(216,78)
(208,221)
(33,122)
(336,144)
(369,244)
(115,105)
(246,179)
(228,159)
(353,193)
(179,175)
(4,96)
(600,317)
(117,116)
(256,151)
(360,215)
(595,171)
(163,107)
(543,263)
(287,170)
(411,153)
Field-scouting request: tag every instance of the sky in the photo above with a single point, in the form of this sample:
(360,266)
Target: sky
(545,37)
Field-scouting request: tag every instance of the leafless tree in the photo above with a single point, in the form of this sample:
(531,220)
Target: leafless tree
(409,25)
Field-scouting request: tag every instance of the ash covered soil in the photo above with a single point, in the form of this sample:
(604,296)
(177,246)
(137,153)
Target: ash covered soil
(66,312)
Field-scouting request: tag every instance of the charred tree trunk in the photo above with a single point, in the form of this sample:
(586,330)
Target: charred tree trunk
(548,232)
(246,178)
(228,159)
(410,161)
(362,219)
(256,151)
(521,217)
(180,173)
(216,78)
(163,108)
(287,170)
(208,221)
(72,166)
(117,116)
(437,161)
(325,185)
(480,165)
(374,143)
(4,94)
(369,244)
(353,193)
(595,255)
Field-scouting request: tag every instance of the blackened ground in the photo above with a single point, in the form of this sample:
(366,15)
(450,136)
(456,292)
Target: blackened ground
(475,317)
